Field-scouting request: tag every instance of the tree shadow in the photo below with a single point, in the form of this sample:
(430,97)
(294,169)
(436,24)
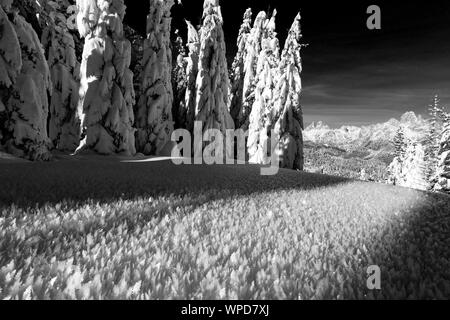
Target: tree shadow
(412,252)
(417,263)
(30,185)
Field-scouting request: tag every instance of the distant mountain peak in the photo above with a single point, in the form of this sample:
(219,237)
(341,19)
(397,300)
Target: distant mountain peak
(318,125)
(409,118)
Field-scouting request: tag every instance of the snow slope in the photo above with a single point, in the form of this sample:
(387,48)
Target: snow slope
(201,232)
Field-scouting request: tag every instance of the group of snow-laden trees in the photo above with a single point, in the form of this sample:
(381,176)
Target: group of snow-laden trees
(55,97)
(272,85)
(424,163)
(24,87)
(262,95)
(408,168)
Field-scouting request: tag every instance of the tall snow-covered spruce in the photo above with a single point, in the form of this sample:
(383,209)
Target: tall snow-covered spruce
(287,116)
(253,48)
(267,75)
(64,126)
(106,93)
(237,69)
(154,112)
(213,81)
(24,86)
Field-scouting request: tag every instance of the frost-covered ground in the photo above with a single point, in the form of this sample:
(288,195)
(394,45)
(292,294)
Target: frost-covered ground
(102,228)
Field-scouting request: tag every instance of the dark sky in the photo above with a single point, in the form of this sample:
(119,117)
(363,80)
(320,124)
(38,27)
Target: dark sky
(351,75)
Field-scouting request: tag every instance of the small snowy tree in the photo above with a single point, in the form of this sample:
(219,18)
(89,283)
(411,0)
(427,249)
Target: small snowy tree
(443,164)
(64,126)
(287,116)
(253,48)
(24,86)
(395,169)
(212,80)
(106,92)
(433,140)
(267,77)
(237,69)
(400,142)
(179,84)
(154,113)
(193,45)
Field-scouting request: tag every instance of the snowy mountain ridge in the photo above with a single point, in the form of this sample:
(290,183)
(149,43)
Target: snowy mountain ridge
(372,137)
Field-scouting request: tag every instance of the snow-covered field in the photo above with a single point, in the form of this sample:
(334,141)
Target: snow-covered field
(112,228)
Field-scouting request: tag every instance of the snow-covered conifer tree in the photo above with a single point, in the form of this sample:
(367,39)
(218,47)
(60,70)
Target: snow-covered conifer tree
(212,80)
(400,142)
(64,126)
(267,76)
(443,165)
(10,66)
(179,84)
(106,92)
(433,140)
(414,167)
(237,69)
(252,50)
(411,168)
(193,45)
(287,116)
(395,169)
(24,86)
(154,113)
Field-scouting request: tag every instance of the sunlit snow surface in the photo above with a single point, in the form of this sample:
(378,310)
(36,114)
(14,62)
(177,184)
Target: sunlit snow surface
(101,228)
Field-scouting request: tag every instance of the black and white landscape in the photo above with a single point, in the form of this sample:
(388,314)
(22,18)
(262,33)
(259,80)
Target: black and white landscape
(197,150)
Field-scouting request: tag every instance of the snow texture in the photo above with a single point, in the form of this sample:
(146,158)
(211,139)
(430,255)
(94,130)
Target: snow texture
(237,69)
(24,86)
(106,93)
(64,126)
(193,45)
(154,113)
(267,76)
(287,116)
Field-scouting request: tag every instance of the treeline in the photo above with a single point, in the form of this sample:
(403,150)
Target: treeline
(424,162)
(67,80)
